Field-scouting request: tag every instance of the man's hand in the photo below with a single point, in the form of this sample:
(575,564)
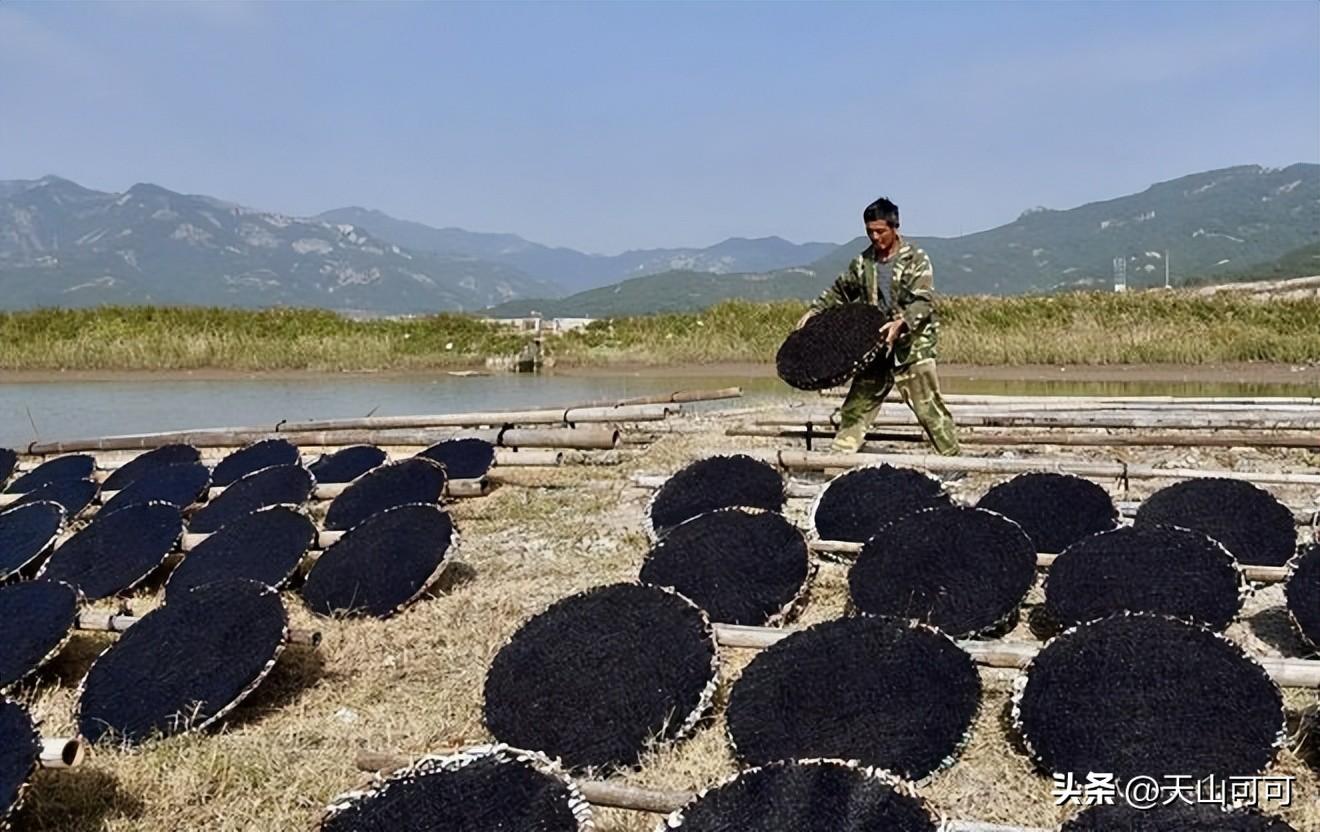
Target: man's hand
(891,331)
(806,316)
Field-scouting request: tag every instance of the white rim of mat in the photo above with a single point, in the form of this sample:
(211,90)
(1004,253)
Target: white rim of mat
(1023,676)
(68,634)
(653,536)
(174,544)
(46,547)
(794,605)
(190,727)
(675,819)
(814,535)
(911,624)
(1245,590)
(502,753)
(706,699)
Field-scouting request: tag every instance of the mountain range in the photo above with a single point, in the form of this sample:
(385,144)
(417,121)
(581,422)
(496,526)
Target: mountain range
(65,245)
(574,270)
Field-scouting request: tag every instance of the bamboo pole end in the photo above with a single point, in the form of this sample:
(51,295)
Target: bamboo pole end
(63,752)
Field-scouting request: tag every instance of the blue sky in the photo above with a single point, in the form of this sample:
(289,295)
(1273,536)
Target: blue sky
(606,126)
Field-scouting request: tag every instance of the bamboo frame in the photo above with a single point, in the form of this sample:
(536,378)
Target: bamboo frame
(112,623)
(640,799)
(677,397)
(1293,673)
(504,458)
(1044,560)
(1193,401)
(544,416)
(1180,420)
(1226,439)
(238,436)
(1302,515)
(793,460)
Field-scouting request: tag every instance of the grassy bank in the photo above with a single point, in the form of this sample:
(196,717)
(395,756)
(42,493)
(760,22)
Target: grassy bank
(158,338)
(1100,328)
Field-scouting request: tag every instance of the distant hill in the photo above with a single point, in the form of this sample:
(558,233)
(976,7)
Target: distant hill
(1212,225)
(668,292)
(64,245)
(1300,262)
(574,269)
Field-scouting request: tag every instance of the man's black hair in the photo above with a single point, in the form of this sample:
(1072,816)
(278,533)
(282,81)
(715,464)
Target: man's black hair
(881,209)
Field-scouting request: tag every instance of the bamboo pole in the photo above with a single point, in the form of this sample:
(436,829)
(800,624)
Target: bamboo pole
(1293,673)
(577,438)
(1267,402)
(232,437)
(504,458)
(1193,401)
(454,489)
(1061,437)
(478,487)
(61,753)
(641,799)
(1044,560)
(570,416)
(191,540)
(1070,419)
(1284,411)
(1302,515)
(678,397)
(808,461)
(796,490)
(105,622)
(510,458)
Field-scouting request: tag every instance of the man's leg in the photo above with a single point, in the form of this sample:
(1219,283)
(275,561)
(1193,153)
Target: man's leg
(920,388)
(867,393)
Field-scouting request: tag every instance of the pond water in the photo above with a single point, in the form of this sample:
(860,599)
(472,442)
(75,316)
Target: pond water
(53,410)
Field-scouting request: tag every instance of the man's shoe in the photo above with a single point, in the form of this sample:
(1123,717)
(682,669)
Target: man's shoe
(846,445)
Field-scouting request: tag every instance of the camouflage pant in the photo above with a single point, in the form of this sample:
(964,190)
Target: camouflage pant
(920,389)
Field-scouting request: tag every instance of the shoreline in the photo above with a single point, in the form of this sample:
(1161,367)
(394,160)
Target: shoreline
(1244,373)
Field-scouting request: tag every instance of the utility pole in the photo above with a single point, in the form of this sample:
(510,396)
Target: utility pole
(1166,268)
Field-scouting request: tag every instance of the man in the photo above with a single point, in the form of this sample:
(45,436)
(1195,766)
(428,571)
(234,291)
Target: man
(896,276)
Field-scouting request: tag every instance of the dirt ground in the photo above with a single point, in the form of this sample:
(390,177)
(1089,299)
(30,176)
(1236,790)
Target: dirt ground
(412,684)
